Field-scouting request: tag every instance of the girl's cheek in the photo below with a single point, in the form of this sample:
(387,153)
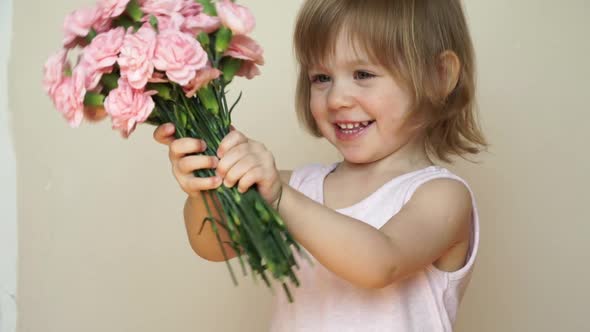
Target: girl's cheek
(317,110)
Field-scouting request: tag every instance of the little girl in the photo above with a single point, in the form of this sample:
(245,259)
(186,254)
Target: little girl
(389,83)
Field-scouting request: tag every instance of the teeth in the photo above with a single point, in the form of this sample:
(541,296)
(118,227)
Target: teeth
(353,125)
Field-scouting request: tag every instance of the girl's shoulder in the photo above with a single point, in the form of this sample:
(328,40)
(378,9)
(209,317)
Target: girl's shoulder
(306,173)
(435,179)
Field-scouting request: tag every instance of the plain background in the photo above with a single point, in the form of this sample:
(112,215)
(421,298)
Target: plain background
(102,245)
(8,224)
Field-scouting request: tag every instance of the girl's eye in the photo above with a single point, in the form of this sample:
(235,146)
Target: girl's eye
(362,75)
(320,78)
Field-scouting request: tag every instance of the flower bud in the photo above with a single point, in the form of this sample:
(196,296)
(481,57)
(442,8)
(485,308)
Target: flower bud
(109,81)
(223,37)
(134,10)
(183,119)
(229,67)
(207,98)
(203,38)
(154,22)
(93,99)
(91,34)
(162,89)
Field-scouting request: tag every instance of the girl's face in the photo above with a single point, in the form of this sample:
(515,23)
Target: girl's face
(358,105)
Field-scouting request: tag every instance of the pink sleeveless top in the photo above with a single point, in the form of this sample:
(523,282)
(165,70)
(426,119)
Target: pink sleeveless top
(425,302)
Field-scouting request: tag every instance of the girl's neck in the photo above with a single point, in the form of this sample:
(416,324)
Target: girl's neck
(410,157)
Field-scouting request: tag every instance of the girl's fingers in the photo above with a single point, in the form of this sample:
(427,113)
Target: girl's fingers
(237,171)
(232,157)
(190,164)
(231,140)
(194,185)
(164,133)
(253,176)
(183,146)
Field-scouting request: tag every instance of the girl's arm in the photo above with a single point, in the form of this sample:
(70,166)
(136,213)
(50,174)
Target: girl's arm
(206,244)
(184,161)
(435,219)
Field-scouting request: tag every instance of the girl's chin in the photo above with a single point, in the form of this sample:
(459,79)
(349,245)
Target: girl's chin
(356,157)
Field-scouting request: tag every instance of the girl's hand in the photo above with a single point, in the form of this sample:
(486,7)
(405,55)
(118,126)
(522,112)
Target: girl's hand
(246,162)
(184,162)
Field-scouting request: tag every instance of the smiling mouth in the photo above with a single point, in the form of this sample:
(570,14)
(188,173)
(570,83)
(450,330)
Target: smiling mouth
(354,125)
(351,130)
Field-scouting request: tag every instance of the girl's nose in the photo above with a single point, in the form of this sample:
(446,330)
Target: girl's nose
(339,97)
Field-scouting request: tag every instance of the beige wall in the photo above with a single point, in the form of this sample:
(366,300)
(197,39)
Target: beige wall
(8,219)
(102,245)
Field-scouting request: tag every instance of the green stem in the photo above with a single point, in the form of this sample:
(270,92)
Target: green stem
(256,231)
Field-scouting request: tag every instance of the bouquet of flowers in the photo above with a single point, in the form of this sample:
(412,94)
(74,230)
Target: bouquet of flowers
(159,61)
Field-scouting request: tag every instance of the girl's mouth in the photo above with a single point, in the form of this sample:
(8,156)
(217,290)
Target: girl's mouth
(352,130)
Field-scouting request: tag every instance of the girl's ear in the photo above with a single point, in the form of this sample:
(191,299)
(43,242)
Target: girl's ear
(449,68)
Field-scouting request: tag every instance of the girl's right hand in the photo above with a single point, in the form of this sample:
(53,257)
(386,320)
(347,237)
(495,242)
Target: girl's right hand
(184,164)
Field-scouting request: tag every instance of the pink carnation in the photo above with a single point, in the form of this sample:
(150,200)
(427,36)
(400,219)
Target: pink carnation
(53,71)
(158,77)
(100,56)
(174,22)
(203,77)
(128,107)
(190,8)
(78,24)
(112,8)
(245,48)
(136,56)
(167,12)
(201,23)
(237,18)
(103,24)
(248,70)
(179,55)
(69,97)
(161,7)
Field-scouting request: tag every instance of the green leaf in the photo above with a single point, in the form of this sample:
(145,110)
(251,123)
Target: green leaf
(208,7)
(93,99)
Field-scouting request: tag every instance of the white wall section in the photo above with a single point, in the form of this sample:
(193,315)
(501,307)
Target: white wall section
(8,229)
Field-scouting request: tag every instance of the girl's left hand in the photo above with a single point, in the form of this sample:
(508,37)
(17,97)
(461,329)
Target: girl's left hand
(246,162)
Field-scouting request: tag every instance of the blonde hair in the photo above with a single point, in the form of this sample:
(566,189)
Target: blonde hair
(407,37)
